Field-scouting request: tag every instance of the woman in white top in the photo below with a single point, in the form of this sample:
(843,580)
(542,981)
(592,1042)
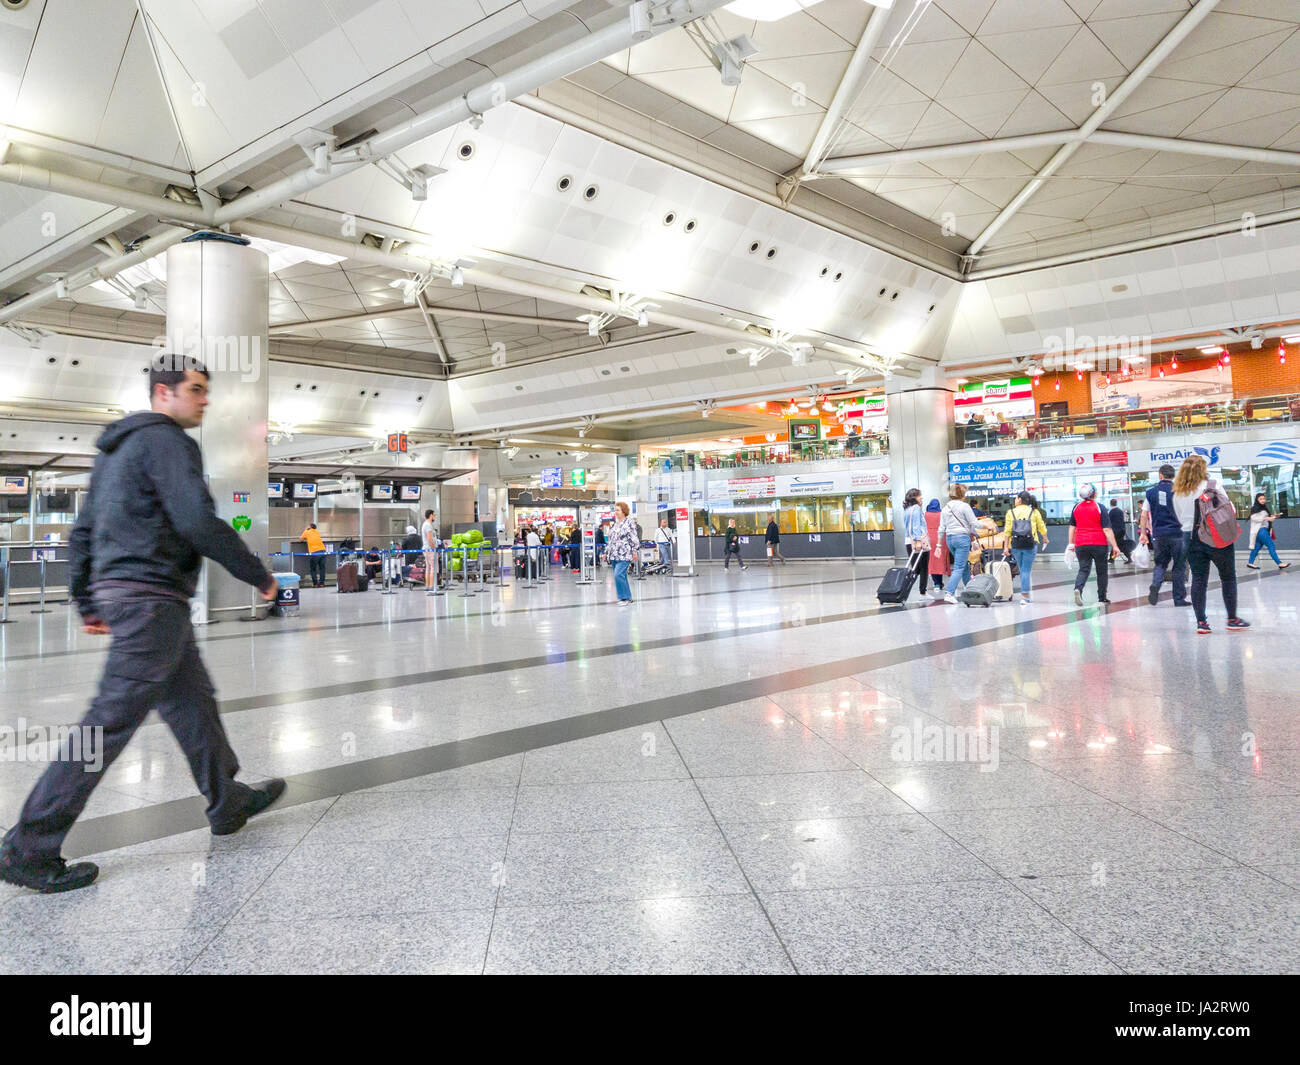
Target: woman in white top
(959,526)
(1189,485)
(1261,532)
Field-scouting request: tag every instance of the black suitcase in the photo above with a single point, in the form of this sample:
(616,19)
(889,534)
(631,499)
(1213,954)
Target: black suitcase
(897,583)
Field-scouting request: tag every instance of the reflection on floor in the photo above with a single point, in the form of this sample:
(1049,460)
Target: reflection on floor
(757,772)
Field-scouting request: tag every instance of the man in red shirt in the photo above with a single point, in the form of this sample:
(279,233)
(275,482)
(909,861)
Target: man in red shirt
(1092,540)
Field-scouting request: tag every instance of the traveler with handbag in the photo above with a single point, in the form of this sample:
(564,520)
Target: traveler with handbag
(959,528)
(1261,537)
(1025,532)
(1093,541)
(773,538)
(1214,533)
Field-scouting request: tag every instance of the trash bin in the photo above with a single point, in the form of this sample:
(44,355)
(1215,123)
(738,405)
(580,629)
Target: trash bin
(287,599)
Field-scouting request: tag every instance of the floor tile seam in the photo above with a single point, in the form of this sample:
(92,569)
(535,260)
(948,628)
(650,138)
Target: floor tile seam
(505,867)
(1017,885)
(1263,870)
(624,900)
(1127,804)
(261,883)
(388,622)
(749,884)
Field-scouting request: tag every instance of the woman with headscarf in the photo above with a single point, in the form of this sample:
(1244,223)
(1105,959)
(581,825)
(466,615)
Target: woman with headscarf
(1261,533)
(1093,541)
(937,567)
(1193,493)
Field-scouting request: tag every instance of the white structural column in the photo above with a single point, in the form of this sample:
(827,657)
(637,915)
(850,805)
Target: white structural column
(218,299)
(920,436)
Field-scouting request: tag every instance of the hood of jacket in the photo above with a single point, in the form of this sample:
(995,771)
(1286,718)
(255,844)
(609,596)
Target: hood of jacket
(111,438)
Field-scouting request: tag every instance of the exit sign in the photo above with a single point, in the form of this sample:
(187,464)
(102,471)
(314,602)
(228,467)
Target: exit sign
(577,477)
(397,443)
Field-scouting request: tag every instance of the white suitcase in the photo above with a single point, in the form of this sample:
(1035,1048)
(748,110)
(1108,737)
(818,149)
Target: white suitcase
(1000,571)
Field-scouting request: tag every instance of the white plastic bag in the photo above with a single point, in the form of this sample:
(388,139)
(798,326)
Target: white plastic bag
(1070,559)
(1142,556)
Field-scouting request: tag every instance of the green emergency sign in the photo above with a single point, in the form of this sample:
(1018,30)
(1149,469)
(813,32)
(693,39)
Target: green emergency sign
(241,522)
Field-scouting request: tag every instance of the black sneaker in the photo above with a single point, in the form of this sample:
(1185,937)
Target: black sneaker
(1185,602)
(1153,595)
(48,875)
(263,795)
(1203,628)
(1238,623)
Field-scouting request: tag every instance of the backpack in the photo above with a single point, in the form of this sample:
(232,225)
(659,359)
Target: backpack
(1022,532)
(1217,523)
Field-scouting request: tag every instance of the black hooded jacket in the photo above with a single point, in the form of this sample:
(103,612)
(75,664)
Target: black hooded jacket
(148,517)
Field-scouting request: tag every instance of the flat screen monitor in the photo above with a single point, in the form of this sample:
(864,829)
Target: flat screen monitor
(13,486)
(551,476)
(410,493)
(304,490)
(381,493)
(275,490)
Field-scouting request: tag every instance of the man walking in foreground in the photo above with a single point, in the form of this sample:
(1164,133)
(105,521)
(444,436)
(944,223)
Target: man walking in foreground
(134,563)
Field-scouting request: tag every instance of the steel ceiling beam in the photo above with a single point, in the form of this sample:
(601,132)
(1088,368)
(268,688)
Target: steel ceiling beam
(1139,74)
(328,166)
(845,93)
(394,310)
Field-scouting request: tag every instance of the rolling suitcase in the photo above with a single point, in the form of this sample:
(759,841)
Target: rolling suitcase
(346,577)
(897,583)
(1000,571)
(981,591)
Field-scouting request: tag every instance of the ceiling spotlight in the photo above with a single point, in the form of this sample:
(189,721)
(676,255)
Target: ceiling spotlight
(138,298)
(61,289)
(642,319)
(639,16)
(593,328)
(1173,365)
(457,277)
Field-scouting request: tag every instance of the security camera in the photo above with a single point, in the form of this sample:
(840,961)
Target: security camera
(1257,342)
(13,5)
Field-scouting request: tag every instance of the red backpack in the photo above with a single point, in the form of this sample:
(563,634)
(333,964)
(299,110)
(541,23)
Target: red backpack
(1217,524)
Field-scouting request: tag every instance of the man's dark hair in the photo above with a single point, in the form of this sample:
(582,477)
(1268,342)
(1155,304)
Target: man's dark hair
(428,514)
(168,369)
(311,525)
(1114,502)
(1167,473)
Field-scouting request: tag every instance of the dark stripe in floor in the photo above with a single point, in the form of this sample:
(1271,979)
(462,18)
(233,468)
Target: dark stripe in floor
(376,684)
(182,815)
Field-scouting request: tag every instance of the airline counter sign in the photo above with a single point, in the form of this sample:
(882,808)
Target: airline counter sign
(1077,463)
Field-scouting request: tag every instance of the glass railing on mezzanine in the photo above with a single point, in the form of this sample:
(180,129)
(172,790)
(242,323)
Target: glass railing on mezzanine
(867,446)
(1264,410)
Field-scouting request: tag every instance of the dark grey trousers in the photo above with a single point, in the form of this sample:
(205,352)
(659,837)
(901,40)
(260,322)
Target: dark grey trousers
(153,663)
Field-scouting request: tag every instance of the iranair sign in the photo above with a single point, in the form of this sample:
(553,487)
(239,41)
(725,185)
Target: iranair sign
(1250,453)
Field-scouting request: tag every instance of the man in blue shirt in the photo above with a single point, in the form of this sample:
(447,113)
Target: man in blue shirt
(1161,527)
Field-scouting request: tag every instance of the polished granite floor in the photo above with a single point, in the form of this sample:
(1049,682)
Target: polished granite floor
(743,772)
